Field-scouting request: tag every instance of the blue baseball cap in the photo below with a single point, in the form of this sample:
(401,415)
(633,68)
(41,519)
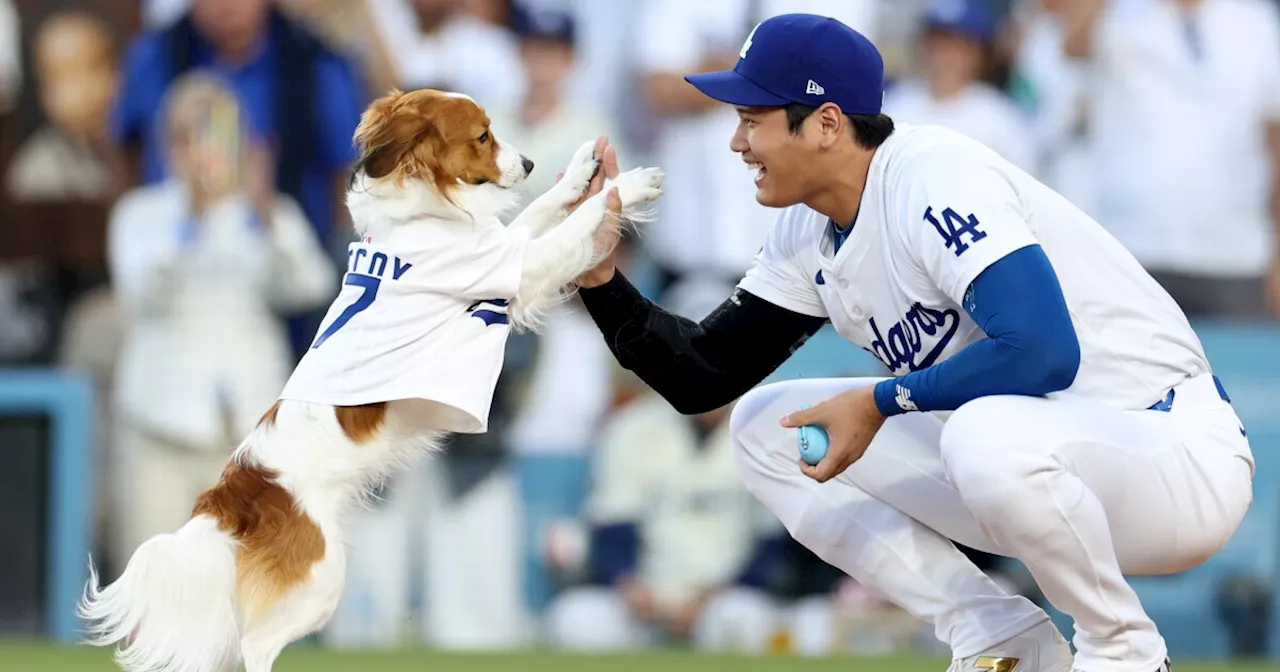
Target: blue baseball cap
(534,23)
(971,18)
(801,58)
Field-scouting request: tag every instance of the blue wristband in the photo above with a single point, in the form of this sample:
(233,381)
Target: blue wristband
(886,394)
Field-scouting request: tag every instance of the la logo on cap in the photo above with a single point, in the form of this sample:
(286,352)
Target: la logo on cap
(746,46)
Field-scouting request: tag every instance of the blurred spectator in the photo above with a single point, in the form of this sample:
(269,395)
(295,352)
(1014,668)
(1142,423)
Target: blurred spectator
(1051,88)
(297,93)
(349,25)
(709,219)
(568,389)
(604,76)
(954,51)
(434,44)
(75,69)
(1185,104)
(567,396)
(10,56)
(199,262)
(672,528)
(546,125)
(572,384)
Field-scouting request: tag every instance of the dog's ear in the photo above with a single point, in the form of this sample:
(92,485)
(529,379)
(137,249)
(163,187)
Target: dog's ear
(395,139)
(421,155)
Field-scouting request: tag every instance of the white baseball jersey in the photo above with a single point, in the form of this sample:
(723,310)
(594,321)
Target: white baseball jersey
(697,524)
(938,208)
(422,315)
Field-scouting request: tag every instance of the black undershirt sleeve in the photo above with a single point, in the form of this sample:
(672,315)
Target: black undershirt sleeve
(697,366)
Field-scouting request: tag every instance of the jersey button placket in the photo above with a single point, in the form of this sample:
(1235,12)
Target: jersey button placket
(849,299)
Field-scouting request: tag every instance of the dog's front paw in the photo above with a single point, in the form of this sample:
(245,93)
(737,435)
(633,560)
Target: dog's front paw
(577,176)
(637,188)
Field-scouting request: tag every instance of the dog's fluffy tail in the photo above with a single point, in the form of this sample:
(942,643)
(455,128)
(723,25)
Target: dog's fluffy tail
(173,609)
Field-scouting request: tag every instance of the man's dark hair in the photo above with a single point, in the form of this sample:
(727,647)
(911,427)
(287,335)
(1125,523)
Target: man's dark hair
(869,130)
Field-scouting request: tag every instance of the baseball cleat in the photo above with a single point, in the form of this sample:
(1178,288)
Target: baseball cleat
(1040,649)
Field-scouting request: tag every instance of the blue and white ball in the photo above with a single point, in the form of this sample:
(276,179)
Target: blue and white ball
(813,443)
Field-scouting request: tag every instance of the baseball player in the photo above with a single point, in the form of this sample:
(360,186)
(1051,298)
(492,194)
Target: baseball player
(1049,401)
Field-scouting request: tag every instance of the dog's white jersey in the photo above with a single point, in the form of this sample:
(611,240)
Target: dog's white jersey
(938,208)
(422,315)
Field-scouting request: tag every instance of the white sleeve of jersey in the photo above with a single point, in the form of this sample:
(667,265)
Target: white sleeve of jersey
(777,274)
(959,218)
(470,265)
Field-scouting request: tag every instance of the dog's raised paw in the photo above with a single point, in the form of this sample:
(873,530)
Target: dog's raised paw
(577,176)
(638,186)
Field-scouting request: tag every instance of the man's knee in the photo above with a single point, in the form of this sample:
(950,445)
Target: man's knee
(987,455)
(755,453)
(760,443)
(592,619)
(739,620)
(751,404)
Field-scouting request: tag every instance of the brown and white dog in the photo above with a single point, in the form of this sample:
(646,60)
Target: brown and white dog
(261,563)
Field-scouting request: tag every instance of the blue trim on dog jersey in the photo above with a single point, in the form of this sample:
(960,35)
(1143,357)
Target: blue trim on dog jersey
(1031,347)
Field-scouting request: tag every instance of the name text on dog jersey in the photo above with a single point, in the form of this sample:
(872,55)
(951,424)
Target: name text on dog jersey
(360,260)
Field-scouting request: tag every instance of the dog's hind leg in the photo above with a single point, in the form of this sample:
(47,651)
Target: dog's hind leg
(305,609)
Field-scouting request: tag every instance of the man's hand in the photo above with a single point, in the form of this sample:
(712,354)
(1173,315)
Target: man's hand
(606,236)
(851,420)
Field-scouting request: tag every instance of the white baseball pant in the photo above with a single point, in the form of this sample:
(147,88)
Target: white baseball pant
(1078,491)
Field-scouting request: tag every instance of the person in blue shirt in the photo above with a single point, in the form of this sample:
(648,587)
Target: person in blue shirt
(1048,401)
(302,99)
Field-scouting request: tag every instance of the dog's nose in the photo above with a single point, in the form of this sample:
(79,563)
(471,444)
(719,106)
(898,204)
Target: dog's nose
(528,165)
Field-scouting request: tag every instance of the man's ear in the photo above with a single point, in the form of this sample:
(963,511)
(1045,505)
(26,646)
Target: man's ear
(832,124)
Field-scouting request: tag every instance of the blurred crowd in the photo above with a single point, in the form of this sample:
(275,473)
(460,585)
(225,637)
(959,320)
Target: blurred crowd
(171,222)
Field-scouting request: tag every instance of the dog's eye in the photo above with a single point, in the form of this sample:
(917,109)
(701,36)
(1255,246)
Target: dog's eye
(484,137)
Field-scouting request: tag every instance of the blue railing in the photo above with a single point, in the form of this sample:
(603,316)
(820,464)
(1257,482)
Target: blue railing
(68,401)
